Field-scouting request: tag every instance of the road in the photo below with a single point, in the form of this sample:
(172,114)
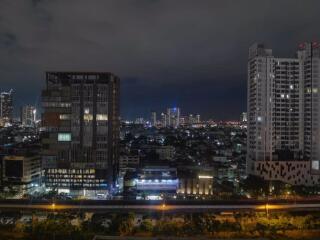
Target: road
(160,206)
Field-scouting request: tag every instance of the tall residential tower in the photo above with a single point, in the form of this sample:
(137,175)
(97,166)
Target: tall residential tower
(283,137)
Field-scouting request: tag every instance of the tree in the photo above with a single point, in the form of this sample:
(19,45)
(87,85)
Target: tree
(255,186)
(122,224)
(261,229)
(146,226)
(54,229)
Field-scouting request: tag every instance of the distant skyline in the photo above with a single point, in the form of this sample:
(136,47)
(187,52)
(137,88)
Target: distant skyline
(190,54)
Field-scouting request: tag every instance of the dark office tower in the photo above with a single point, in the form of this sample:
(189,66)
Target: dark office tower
(81,121)
(6,107)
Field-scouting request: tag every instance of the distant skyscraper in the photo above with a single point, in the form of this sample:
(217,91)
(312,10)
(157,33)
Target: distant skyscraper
(139,120)
(194,118)
(243,117)
(190,119)
(81,119)
(183,120)
(153,119)
(28,115)
(164,120)
(283,105)
(198,119)
(6,106)
(173,117)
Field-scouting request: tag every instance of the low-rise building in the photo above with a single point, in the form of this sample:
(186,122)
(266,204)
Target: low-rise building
(151,182)
(164,152)
(129,162)
(21,171)
(195,183)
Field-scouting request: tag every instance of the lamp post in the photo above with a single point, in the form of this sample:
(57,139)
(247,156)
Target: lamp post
(163,207)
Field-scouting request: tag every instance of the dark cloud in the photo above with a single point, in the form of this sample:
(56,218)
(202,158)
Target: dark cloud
(187,53)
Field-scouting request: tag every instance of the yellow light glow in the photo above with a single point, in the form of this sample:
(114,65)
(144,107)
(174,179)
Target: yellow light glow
(270,207)
(205,177)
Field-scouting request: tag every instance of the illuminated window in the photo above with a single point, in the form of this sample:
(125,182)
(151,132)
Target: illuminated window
(64,137)
(315,165)
(102,117)
(64,116)
(87,117)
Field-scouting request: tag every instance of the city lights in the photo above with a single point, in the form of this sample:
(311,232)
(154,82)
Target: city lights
(159,120)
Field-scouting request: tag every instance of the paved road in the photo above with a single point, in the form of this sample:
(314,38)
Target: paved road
(164,207)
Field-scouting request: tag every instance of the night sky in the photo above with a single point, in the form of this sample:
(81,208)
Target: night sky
(191,54)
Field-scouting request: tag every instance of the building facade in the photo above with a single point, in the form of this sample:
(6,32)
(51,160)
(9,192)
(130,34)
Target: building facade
(6,107)
(195,183)
(22,172)
(153,119)
(309,56)
(173,117)
(283,111)
(81,122)
(128,162)
(151,183)
(28,115)
(164,120)
(243,117)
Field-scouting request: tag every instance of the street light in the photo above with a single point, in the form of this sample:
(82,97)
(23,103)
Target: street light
(163,206)
(267,210)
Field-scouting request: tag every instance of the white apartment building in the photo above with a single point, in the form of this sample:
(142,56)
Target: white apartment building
(283,105)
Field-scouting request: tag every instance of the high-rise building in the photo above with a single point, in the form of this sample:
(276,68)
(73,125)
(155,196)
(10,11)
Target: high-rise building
(164,120)
(6,107)
(183,121)
(309,57)
(283,136)
(191,119)
(81,120)
(198,119)
(153,119)
(28,115)
(173,117)
(243,117)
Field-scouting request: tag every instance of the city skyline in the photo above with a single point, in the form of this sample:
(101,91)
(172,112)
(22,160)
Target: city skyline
(149,119)
(158,68)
